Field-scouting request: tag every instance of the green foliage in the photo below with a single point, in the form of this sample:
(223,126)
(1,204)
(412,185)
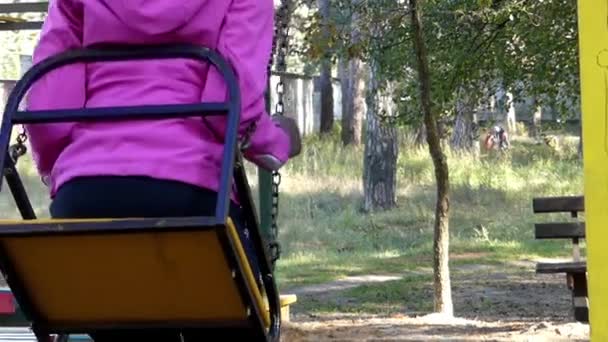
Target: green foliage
(475,46)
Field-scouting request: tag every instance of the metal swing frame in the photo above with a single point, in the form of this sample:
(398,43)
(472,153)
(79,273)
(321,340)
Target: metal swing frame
(232,170)
(269,182)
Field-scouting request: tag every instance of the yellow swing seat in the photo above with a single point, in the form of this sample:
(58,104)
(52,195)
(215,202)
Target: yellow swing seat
(82,275)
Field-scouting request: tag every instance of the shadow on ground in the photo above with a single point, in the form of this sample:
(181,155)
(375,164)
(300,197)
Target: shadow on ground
(419,329)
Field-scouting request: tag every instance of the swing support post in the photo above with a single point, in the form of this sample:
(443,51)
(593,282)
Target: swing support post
(593,51)
(265,204)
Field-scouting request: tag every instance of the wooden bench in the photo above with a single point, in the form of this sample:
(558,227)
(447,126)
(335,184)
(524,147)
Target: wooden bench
(575,270)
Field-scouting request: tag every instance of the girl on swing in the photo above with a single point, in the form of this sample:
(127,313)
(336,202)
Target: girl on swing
(161,168)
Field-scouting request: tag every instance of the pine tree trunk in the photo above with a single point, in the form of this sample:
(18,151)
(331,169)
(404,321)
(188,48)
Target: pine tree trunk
(465,135)
(381,150)
(441,270)
(353,101)
(327,94)
(347,115)
(327,99)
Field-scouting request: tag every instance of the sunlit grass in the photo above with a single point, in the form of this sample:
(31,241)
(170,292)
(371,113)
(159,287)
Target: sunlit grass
(322,194)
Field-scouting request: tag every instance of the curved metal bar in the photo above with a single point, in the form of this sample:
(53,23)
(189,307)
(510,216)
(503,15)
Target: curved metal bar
(109,53)
(232,106)
(268,281)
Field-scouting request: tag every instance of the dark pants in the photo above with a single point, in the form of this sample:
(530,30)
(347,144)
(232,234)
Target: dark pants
(136,197)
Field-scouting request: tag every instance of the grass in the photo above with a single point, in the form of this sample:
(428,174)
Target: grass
(325,236)
(320,205)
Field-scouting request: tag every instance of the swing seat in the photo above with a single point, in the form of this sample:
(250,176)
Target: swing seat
(186,275)
(83,276)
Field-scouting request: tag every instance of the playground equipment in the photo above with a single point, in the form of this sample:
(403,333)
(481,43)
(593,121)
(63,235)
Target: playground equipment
(268,182)
(593,38)
(124,262)
(239,308)
(593,49)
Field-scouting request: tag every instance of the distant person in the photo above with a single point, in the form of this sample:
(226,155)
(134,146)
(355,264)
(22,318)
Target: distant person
(497,138)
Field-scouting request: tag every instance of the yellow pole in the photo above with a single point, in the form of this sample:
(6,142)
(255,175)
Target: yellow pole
(593,39)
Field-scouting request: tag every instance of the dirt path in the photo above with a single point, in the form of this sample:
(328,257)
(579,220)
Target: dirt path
(496,303)
(343,284)
(425,329)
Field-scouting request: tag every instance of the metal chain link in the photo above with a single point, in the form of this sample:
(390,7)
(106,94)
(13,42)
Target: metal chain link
(279,47)
(19,149)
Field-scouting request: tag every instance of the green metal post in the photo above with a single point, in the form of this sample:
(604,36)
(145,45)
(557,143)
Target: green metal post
(265,189)
(265,195)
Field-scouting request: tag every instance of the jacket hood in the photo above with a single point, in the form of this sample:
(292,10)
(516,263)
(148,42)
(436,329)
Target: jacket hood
(154,17)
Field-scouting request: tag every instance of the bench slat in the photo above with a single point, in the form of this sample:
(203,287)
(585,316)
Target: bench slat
(568,230)
(562,267)
(558,204)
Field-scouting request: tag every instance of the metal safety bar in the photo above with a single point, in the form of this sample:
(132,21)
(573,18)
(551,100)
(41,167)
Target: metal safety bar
(9,23)
(111,53)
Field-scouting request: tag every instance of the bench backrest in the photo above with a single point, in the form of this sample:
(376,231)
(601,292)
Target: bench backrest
(561,230)
(564,204)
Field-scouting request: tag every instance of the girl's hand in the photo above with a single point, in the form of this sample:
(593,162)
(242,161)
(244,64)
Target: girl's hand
(290,127)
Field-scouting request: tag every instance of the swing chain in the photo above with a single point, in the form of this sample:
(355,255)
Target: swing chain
(279,47)
(19,149)
(275,247)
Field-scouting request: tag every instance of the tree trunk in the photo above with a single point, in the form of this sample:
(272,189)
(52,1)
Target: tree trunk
(353,101)
(357,99)
(327,98)
(536,120)
(381,149)
(357,82)
(420,135)
(327,94)
(347,115)
(441,270)
(464,135)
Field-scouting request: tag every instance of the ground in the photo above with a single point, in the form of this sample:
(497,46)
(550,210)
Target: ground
(424,329)
(493,303)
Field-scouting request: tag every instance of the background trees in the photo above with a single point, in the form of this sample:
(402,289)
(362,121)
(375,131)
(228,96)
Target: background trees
(439,62)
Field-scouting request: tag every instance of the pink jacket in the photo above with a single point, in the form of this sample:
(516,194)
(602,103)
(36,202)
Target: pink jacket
(178,149)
